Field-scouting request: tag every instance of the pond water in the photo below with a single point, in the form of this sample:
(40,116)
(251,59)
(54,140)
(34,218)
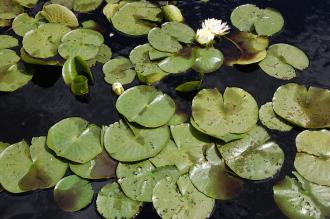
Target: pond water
(31,110)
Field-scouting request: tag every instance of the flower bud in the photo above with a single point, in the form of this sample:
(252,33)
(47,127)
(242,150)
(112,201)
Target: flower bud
(118,88)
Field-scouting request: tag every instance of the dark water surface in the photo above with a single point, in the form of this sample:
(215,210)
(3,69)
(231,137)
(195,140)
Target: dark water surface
(31,110)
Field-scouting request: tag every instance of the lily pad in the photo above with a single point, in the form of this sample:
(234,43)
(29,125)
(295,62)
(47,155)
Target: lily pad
(138,180)
(282,59)
(73,193)
(44,41)
(136,18)
(147,71)
(177,63)
(179,31)
(75,139)
(185,200)
(162,41)
(104,54)
(307,108)
(66,3)
(155,54)
(207,60)
(8,58)
(300,198)
(119,70)
(253,157)
(7,42)
(188,148)
(152,108)
(128,143)
(269,119)
(81,42)
(34,61)
(313,156)
(84,6)
(189,86)
(9,9)
(172,13)
(235,112)
(265,22)
(179,117)
(46,170)
(15,162)
(4,23)
(211,177)
(112,203)
(55,13)
(27,3)
(14,77)
(101,167)
(23,23)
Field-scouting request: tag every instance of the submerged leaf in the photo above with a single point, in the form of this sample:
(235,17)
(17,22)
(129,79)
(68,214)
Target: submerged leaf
(152,108)
(73,193)
(307,108)
(189,86)
(253,157)
(112,203)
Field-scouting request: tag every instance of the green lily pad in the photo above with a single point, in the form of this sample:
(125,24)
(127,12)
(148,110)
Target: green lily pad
(44,41)
(128,143)
(55,13)
(172,13)
(152,108)
(269,119)
(211,177)
(308,108)
(185,200)
(207,60)
(75,139)
(155,54)
(66,3)
(15,77)
(8,58)
(178,118)
(4,23)
(15,162)
(187,150)
(312,158)
(119,70)
(162,41)
(138,180)
(27,3)
(79,85)
(46,170)
(177,63)
(179,31)
(73,193)
(76,66)
(110,10)
(189,86)
(253,157)
(265,22)
(34,61)
(3,146)
(235,112)
(301,199)
(23,23)
(282,59)
(147,71)
(112,203)
(9,9)
(7,42)
(136,18)
(84,6)
(101,167)
(81,42)
(104,54)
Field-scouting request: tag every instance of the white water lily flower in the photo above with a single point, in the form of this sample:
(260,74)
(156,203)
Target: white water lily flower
(217,27)
(204,36)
